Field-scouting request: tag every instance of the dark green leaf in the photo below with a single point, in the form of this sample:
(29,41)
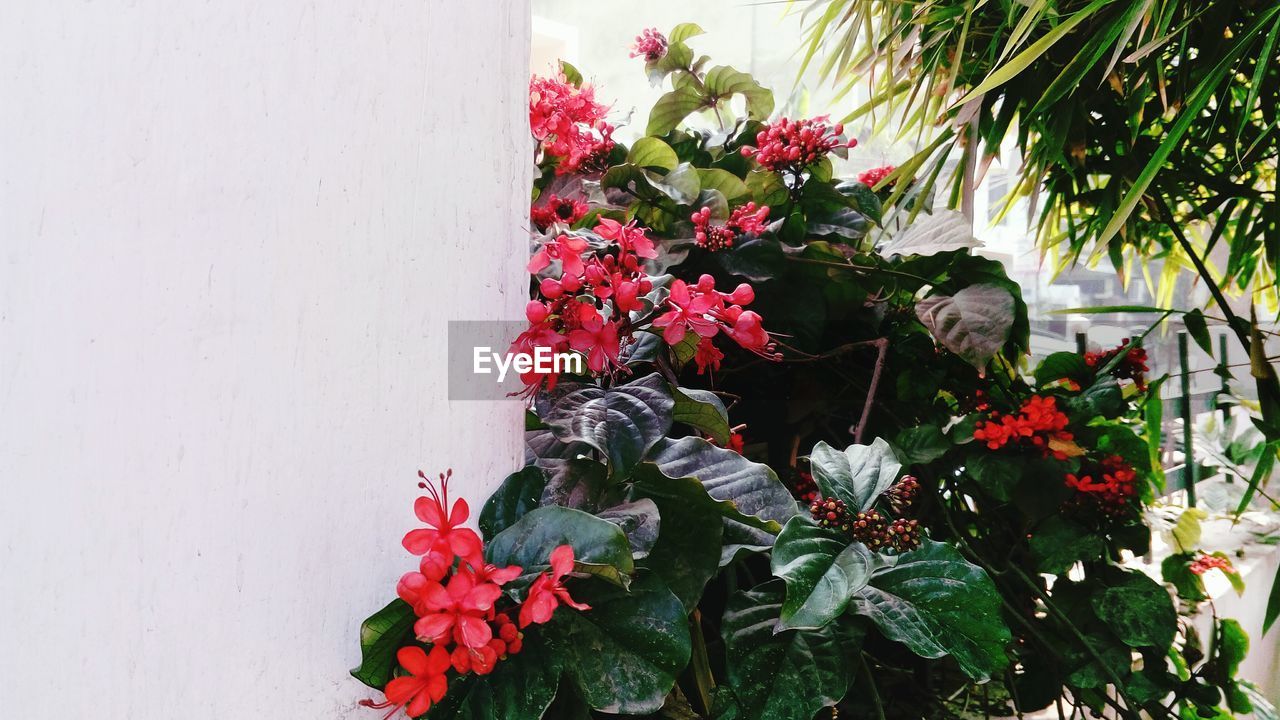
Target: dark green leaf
(624,653)
(385,632)
(921,445)
(753,488)
(622,422)
(936,603)
(520,687)
(703,410)
(858,476)
(1199,330)
(1058,543)
(639,521)
(599,546)
(822,571)
(789,675)
(1062,366)
(1139,611)
(687,553)
(518,494)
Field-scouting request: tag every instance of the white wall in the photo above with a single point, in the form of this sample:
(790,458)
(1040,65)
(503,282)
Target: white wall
(230,236)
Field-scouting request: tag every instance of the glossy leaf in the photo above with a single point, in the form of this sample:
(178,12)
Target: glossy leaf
(943,231)
(672,108)
(599,546)
(1139,611)
(822,571)
(752,488)
(622,422)
(652,153)
(381,635)
(936,603)
(974,323)
(702,410)
(787,675)
(519,493)
(858,475)
(521,686)
(623,655)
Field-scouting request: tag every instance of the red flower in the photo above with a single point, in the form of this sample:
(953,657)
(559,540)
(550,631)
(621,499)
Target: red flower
(875,175)
(457,610)
(1133,366)
(565,248)
(548,592)
(629,237)
(598,339)
(792,145)
(445,540)
(650,44)
(425,684)
(689,311)
(707,355)
(1038,422)
(557,210)
(744,220)
(1205,563)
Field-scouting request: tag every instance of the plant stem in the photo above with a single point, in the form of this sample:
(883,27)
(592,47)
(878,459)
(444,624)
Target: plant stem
(871,683)
(700,663)
(1233,320)
(882,348)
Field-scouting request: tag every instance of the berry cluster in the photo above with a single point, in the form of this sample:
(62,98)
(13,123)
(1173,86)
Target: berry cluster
(556,209)
(745,219)
(1133,366)
(1036,424)
(587,306)
(650,45)
(1205,563)
(802,486)
(870,527)
(456,596)
(792,145)
(1112,494)
(569,124)
(902,496)
(876,175)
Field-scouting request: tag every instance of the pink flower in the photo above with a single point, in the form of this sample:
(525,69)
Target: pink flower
(746,329)
(689,312)
(444,540)
(565,248)
(629,237)
(875,175)
(598,339)
(650,44)
(548,591)
(557,210)
(458,609)
(568,123)
(425,684)
(792,145)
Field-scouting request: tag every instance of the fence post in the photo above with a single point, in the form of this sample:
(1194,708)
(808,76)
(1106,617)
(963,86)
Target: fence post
(1188,455)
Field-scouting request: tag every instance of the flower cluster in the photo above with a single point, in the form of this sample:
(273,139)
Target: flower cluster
(875,175)
(802,486)
(1132,366)
(564,211)
(1206,562)
(1039,423)
(902,496)
(1113,491)
(701,309)
(745,219)
(569,124)
(792,145)
(455,595)
(650,45)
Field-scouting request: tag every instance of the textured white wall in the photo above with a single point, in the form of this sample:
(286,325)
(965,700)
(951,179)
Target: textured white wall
(231,234)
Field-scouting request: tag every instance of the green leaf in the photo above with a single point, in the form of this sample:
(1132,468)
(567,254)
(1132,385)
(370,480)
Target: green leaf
(639,521)
(753,488)
(1062,366)
(683,32)
(672,108)
(1176,570)
(822,571)
(687,554)
(521,686)
(723,81)
(1058,543)
(681,184)
(1199,330)
(921,445)
(519,493)
(622,422)
(864,200)
(767,188)
(571,74)
(784,675)
(858,476)
(1232,646)
(1139,611)
(757,259)
(703,410)
(652,153)
(1101,399)
(623,654)
(936,603)
(974,323)
(599,546)
(385,632)
(732,187)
